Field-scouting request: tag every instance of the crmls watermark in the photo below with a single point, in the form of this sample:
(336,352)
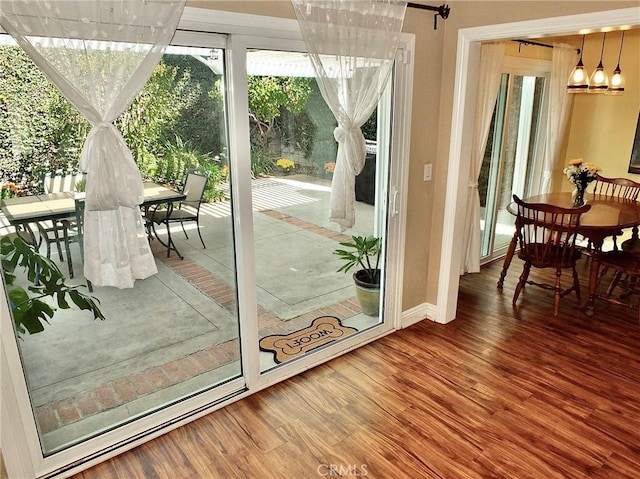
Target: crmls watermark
(342,470)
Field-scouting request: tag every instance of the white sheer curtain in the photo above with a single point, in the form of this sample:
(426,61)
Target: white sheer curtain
(100,54)
(352,45)
(489,75)
(562,63)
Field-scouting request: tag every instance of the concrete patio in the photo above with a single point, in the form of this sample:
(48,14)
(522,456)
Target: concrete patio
(177,332)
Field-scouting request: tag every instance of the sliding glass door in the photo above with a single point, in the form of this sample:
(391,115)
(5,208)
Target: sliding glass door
(259,266)
(512,157)
(171,335)
(304,302)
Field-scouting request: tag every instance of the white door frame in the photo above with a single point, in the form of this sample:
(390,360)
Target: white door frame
(467,60)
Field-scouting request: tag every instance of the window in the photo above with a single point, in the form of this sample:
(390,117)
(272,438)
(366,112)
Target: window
(512,159)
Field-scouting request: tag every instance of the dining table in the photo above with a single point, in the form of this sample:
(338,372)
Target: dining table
(607,217)
(21,211)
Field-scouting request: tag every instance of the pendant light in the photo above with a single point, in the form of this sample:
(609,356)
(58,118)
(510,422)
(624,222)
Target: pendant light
(599,81)
(617,80)
(578,80)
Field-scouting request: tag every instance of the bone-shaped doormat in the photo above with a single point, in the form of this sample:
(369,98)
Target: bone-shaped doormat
(321,331)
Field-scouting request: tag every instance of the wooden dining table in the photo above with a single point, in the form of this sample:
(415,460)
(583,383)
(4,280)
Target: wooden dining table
(606,217)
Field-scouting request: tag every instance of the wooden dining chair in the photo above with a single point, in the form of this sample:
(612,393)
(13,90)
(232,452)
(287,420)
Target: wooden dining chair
(622,188)
(547,239)
(626,277)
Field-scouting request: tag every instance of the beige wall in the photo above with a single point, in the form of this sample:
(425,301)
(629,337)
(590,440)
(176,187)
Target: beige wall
(435,58)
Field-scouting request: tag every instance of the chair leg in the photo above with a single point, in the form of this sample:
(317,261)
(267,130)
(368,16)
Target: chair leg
(614,282)
(521,282)
(200,234)
(57,237)
(557,292)
(183,230)
(576,283)
(68,251)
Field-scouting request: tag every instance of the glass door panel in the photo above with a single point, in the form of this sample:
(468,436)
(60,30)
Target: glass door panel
(509,158)
(303,301)
(173,334)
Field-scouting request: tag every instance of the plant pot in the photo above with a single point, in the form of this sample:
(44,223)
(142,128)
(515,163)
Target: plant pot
(368,293)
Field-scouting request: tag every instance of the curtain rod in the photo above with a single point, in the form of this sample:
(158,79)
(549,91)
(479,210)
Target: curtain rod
(443,10)
(538,44)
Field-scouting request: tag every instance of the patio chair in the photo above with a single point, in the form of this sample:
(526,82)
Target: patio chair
(61,181)
(61,231)
(547,237)
(188,210)
(74,232)
(24,232)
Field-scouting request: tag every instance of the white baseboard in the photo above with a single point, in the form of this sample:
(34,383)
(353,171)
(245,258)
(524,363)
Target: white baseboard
(418,313)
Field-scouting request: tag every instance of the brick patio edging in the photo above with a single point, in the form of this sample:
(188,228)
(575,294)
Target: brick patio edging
(115,393)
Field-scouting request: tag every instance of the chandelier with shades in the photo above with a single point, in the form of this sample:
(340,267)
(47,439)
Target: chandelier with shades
(580,82)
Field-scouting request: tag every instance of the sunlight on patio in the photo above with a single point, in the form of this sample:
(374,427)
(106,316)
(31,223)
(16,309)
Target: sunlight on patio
(177,332)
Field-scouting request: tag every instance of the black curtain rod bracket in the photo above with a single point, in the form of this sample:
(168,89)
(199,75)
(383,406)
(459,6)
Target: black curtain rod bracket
(443,10)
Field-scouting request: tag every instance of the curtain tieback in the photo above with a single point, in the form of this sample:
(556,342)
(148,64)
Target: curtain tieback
(341,132)
(103,124)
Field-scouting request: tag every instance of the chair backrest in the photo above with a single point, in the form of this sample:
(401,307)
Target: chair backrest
(61,181)
(195,185)
(616,188)
(547,233)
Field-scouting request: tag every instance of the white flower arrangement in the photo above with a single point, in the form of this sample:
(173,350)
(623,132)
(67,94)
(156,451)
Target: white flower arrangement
(581,173)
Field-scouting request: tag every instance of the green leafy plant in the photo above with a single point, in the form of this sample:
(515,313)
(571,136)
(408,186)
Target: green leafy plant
(363,251)
(81,186)
(28,307)
(262,164)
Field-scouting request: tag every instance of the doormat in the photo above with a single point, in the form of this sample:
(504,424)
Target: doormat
(321,331)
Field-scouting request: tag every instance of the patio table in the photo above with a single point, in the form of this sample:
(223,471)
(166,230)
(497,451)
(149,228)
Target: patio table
(54,206)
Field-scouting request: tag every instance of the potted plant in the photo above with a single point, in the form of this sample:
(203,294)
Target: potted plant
(364,251)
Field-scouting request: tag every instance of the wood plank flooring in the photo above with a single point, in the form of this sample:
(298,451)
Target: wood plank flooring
(498,393)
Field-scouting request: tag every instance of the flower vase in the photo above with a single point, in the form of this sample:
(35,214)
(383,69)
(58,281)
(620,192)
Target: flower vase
(578,197)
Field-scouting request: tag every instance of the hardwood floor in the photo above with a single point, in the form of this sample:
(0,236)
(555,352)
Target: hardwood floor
(496,393)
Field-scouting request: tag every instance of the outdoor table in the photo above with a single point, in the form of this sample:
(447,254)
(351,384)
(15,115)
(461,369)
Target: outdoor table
(55,206)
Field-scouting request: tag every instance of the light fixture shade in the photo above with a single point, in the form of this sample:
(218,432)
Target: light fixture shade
(599,81)
(578,81)
(616,86)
